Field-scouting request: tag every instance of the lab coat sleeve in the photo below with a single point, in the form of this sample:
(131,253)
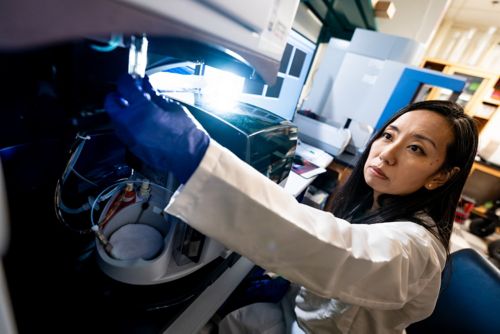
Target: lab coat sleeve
(379,266)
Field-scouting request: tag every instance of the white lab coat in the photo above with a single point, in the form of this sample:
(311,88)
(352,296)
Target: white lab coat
(356,278)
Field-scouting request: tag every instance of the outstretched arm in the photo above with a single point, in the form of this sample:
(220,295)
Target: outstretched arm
(379,266)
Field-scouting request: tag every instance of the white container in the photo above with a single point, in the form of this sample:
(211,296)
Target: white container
(163,267)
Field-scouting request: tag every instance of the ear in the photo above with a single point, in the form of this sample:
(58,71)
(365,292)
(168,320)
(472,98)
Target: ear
(440,178)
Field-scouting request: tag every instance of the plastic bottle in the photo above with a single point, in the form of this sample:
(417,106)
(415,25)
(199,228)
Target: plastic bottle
(128,196)
(144,191)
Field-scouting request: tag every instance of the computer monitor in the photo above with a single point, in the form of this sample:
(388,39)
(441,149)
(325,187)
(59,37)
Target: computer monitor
(282,97)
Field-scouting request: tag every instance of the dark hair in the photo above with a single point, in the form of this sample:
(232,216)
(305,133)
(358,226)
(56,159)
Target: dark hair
(355,197)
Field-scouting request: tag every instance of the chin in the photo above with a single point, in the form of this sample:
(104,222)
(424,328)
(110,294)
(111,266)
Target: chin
(372,182)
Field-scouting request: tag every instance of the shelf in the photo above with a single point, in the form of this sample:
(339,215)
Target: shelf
(477,97)
(491,101)
(481,118)
(485,169)
(446,65)
(485,110)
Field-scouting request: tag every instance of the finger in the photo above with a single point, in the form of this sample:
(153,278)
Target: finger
(173,106)
(114,103)
(154,95)
(147,87)
(131,89)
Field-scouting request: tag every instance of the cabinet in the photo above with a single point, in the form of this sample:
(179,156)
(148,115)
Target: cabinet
(481,95)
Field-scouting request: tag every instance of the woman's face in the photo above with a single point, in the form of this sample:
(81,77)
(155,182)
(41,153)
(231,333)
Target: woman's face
(409,154)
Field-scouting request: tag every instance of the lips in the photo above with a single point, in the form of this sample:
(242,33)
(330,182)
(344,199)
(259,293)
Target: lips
(378,172)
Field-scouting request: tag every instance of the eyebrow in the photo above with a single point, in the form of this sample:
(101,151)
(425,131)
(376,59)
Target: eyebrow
(416,135)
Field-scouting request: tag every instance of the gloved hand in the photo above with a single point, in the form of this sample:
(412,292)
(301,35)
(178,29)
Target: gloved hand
(157,130)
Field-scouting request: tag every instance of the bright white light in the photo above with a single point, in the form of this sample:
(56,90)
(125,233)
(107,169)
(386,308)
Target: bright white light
(223,89)
(220,89)
(178,86)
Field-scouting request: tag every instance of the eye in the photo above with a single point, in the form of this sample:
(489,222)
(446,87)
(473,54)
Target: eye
(387,135)
(416,149)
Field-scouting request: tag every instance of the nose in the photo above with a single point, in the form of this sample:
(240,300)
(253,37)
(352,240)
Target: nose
(389,154)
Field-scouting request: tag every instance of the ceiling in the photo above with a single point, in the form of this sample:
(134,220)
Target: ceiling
(480,13)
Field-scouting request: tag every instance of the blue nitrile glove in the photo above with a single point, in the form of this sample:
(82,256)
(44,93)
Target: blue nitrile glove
(157,130)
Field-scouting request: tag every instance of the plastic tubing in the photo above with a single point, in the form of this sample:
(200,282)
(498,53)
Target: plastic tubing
(113,43)
(113,187)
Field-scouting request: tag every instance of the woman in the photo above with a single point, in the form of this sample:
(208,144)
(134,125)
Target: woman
(374,265)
